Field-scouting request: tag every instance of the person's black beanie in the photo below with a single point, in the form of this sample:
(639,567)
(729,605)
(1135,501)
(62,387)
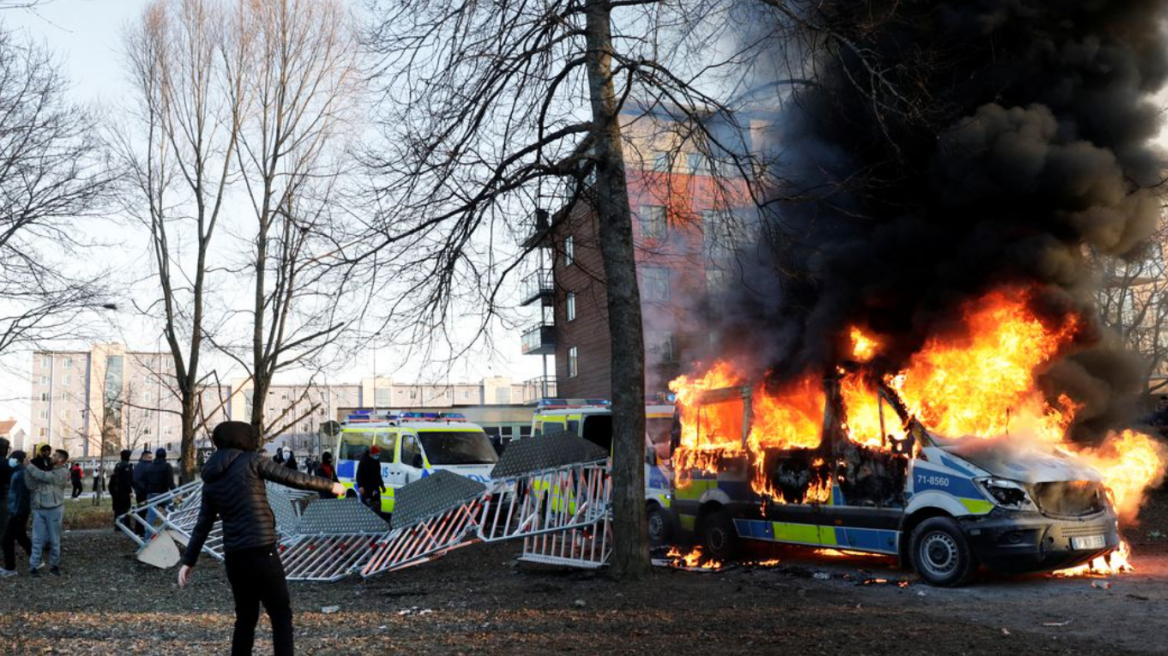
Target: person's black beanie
(234,435)
(160,453)
(126,453)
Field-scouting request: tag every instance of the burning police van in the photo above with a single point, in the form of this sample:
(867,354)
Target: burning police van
(855,470)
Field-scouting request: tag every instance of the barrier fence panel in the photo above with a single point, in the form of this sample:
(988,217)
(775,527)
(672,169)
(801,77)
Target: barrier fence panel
(432,517)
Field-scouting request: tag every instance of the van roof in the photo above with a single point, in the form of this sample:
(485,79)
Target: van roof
(415,425)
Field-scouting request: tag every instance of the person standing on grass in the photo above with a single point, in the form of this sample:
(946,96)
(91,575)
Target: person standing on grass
(6,471)
(233,490)
(75,474)
(370,484)
(159,479)
(16,528)
(48,511)
(121,487)
(140,470)
(290,460)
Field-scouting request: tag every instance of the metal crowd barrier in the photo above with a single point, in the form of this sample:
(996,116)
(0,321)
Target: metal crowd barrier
(553,492)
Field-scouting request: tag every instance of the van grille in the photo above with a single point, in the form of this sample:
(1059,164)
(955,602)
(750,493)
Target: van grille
(1070,498)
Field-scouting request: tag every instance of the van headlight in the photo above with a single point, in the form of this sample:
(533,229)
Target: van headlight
(1007,493)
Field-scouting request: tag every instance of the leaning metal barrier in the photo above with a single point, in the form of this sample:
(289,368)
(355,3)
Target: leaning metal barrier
(334,538)
(553,492)
(432,517)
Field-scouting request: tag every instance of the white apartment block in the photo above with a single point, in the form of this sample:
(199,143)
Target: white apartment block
(77,396)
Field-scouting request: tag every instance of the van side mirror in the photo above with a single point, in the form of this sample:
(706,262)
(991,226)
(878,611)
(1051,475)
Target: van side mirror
(418,462)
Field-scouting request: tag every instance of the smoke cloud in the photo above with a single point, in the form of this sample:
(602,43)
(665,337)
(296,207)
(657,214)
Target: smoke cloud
(945,149)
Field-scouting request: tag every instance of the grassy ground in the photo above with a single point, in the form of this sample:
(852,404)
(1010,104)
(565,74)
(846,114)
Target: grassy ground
(83,514)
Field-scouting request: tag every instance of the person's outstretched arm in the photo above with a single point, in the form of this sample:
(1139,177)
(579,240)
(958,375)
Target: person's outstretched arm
(270,470)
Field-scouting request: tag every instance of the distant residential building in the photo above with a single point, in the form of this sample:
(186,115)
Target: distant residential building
(79,396)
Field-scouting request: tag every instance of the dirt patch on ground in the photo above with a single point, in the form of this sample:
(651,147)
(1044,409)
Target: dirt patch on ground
(479,600)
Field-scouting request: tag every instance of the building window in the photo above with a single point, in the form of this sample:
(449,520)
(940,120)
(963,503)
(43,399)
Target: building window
(661,161)
(68,363)
(47,362)
(44,380)
(146,431)
(653,220)
(68,379)
(413,394)
(569,250)
(693,161)
(147,396)
(44,396)
(655,284)
(570,306)
(44,414)
(64,396)
(659,344)
(573,362)
(465,394)
(42,432)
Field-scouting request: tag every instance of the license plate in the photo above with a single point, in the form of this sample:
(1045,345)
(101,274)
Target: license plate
(1088,542)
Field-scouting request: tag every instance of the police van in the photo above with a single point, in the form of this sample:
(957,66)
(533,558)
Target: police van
(412,445)
(591,419)
(942,506)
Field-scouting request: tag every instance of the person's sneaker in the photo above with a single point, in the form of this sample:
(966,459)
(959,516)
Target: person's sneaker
(6,573)
(55,571)
(34,573)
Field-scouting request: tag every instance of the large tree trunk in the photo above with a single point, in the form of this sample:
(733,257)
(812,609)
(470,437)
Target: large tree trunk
(187,446)
(630,558)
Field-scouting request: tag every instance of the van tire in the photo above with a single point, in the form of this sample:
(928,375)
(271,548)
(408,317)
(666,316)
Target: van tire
(941,554)
(716,535)
(659,528)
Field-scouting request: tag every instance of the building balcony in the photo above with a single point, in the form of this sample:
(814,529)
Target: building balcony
(537,286)
(539,340)
(541,387)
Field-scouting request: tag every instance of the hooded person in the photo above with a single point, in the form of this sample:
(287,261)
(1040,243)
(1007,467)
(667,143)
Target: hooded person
(19,509)
(370,483)
(121,487)
(233,490)
(159,480)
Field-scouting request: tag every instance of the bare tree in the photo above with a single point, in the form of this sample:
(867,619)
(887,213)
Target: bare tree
(493,112)
(52,179)
(181,153)
(295,62)
(1132,297)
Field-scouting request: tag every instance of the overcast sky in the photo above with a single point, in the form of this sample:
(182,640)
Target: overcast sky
(86,37)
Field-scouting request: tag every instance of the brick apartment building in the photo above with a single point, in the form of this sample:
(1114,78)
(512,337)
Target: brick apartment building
(684,230)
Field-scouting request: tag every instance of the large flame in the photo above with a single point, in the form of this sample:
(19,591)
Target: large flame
(981,381)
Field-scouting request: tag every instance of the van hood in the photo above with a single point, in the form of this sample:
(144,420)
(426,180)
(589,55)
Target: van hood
(1027,463)
(479,473)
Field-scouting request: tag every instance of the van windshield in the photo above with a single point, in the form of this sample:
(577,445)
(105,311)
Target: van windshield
(458,448)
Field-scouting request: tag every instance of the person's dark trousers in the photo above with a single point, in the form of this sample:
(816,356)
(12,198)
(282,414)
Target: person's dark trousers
(76,489)
(15,532)
(373,501)
(138,528)
(257,576)
(3,511)
(121,507)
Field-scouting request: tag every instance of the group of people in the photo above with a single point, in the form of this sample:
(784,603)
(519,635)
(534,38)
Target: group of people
(233,491)
(32,490)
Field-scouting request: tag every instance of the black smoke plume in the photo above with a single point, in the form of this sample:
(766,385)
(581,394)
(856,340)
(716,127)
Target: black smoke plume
(945,149)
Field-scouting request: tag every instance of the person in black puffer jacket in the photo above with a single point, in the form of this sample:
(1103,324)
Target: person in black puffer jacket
(233,490)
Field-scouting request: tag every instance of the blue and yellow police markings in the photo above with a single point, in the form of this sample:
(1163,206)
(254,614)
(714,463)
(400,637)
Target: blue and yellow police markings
(867,539)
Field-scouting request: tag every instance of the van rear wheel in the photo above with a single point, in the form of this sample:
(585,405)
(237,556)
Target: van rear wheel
(716,535)
(941,554)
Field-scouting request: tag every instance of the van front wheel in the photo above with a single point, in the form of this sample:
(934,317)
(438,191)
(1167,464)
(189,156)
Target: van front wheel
(941,554)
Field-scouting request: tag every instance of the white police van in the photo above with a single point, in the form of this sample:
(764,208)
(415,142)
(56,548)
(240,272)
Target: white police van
(412,445)
(591,419)
(942,506)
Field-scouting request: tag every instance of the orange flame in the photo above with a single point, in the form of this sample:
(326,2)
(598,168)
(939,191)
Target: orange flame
(983,382)
(864,347)
(694,559)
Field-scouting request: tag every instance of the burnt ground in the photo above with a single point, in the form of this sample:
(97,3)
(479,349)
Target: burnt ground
(478,600)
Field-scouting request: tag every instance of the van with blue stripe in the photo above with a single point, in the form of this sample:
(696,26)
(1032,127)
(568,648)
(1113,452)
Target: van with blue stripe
(942,506)
(412,445)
